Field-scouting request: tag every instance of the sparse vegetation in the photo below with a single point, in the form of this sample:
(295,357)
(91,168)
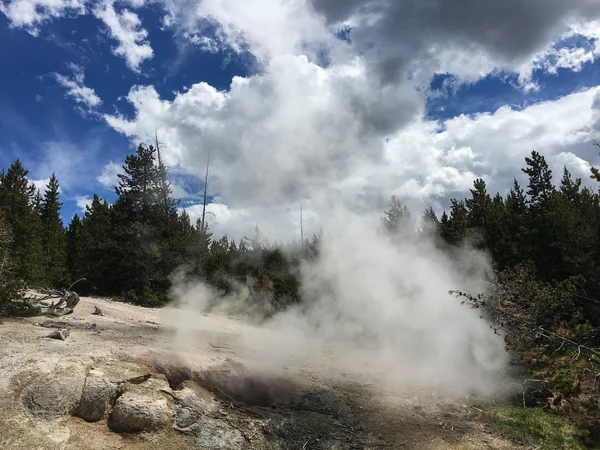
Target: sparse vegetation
(534,427)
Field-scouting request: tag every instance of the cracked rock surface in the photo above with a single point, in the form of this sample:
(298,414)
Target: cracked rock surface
(147,406)
(98,395)
(54,395)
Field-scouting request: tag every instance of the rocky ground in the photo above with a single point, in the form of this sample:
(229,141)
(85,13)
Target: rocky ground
(125,380)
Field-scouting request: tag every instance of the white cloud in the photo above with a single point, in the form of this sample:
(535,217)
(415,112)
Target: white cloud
(298,131)
(125,27)
(206,43)
(73,167)
(493,146)
(275,28)
(77,90)
(82,201)
(563,54)
(353,132)
(30,14)
(109,178)
(178,191)
(41,184)
(278,134)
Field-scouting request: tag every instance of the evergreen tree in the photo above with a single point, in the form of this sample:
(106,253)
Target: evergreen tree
(149,232)
(541,234)
(53,235)
(198,250)
(75,249)
(478,206)
(100,265)
(454,229)
(570,188)
(397,217)
(540,180)
(16,201)
(430,222)
(478,210)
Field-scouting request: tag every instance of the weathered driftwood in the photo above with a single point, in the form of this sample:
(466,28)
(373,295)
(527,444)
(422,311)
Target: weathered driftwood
(59,334)
(64,324)
(67,302)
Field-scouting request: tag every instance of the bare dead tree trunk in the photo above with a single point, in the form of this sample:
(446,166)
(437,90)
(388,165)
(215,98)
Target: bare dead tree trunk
(301,228)
(205,190)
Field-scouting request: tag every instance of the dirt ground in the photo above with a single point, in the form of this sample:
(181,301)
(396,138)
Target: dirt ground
(297,404)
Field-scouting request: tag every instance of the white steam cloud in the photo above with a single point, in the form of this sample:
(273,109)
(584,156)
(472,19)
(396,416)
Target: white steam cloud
(373,306)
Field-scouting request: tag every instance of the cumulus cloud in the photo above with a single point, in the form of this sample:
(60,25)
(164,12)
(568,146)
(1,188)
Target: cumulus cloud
(109,178)
(494,35)
(578,46)
(31,14)
(275,28)
(461,37)
(82,201)
(344,119)
(126,28)
(41,184)
(300,132)
(277,135)
(76,89)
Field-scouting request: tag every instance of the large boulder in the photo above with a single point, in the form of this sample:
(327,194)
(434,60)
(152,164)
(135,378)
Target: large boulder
(193,403)
(97,396)
(142,407)
(54,395)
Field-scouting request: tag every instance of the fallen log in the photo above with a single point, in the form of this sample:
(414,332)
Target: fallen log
(62,324)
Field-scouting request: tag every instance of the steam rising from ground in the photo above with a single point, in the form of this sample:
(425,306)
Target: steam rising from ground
(373,305)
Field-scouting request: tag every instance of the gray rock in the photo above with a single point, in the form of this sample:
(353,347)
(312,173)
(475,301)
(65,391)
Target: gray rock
(216,434)
(192,404)
(54,395)
(143,407)
(98,394)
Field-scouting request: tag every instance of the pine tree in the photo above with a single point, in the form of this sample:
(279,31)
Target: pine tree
(478,206)
(454,229)
(397,218)
(75,249)
(148,228)
(429,222)
(198,250)
(9,284)
(542,233)
(540,180)
(53,235)
(100,261)
(570,188)
(17,203)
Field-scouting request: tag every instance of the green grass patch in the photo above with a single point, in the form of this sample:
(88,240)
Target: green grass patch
(535,427)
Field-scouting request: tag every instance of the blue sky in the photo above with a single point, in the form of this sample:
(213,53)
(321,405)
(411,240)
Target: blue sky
(35,114)
(50,128)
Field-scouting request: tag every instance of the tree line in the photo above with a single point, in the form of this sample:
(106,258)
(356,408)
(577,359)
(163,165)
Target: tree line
(132,247)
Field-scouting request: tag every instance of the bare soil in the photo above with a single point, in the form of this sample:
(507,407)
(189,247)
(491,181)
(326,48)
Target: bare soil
(295,406)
